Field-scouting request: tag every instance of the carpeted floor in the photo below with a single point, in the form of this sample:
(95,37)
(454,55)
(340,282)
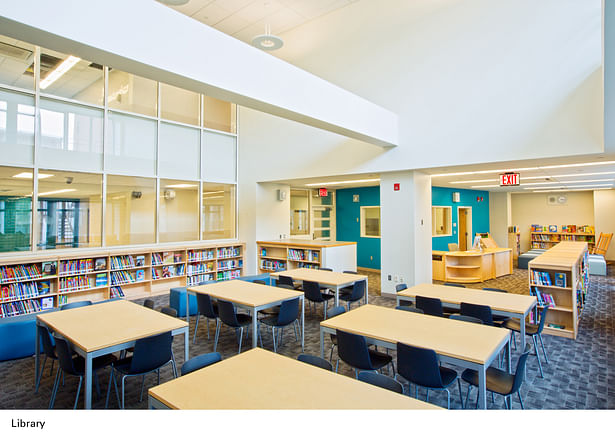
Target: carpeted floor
(580,373)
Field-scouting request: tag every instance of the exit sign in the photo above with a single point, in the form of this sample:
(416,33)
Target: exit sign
(322,191)
(510,179)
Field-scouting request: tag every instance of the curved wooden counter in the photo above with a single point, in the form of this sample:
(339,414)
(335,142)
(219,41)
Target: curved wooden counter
(471,266)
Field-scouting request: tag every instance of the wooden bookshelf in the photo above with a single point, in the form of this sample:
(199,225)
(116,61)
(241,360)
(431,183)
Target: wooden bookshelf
(275,256)
(514,243)
(32,283)
(547,240)
(560,279)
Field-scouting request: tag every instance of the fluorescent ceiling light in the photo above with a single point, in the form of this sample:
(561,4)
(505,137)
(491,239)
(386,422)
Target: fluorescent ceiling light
(59,71)
(571,190)
(569,187)
(214,197)
(55,192)
(495,171)
(29,175)
(583,174)
(181,186)
(331,183)
(472,181)
(213,192)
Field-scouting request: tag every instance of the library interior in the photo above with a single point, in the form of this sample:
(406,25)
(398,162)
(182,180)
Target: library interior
(307,205)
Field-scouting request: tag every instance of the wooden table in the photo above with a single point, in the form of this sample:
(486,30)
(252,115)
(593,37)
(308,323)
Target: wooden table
(101,329)
(254,297)
(503,304)
(333,280)
(259,379)
(464,344)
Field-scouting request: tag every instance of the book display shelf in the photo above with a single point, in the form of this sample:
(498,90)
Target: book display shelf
(276,256)
(33,283)
(547,236)
(559,278)
(514,242)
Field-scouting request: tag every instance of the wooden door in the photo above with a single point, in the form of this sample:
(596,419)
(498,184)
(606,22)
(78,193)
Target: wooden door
(463,229)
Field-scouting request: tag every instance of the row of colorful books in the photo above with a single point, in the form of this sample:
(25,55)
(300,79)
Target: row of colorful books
(229,264)
(116,292)
(125,261)
(197,279)
(544,278)
(168,271)
(544,298)
(229,274)
(159,258)
(75,283)
(19,273)
(124,277)
(201,268)
(308,265)
(28,306)
(228,252)
(23,290)
(273,265)
(196,255)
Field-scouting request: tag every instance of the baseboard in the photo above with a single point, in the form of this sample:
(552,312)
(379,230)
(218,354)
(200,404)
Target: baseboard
(367,269)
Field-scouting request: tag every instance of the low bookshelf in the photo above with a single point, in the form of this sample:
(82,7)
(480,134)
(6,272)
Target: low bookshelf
(547,236)
(36,282)
(559,278)
(288,254)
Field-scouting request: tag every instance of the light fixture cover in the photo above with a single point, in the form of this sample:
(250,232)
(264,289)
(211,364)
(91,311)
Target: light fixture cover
(267,41)
(174,2)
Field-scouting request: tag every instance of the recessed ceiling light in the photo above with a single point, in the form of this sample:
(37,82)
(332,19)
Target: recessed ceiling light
(331,183)
(29,175)
(495,171)
(181,186)
(55,192)
(59,71)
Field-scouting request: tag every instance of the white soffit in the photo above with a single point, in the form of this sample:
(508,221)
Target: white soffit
(147,38)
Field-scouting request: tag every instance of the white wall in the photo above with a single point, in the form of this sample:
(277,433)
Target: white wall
(532,208)
(604,216)
(500,216)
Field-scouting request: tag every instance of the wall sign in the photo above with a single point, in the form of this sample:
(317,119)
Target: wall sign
(510,179)
(323,191)
(396,186)
(355,198)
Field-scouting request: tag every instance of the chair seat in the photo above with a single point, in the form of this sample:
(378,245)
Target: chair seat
(97,363)
(515,325)
(498,381)
(448,376)
(448,311)
(244,319)
(273,311)
(500,319)
(327,296)
(348,297)
(379,359)
(270,321)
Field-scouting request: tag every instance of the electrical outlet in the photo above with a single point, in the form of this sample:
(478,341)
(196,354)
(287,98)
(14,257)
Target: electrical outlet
(389,277)
(454,232)
(401,279)
(396,278)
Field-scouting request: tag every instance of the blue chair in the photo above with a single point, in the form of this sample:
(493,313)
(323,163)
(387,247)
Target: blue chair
(420,367)
(287,280)
(358,292)
(401,287)
(49,349)
(75,305)
(482,312)
(271,311)
(533,331)
(289,311)
(500,381)
(408,308)
(75,366)
(326,268)
(315,361)
(237,321)
(198,362)
(149,303)
(314,295)
(353,350)
(464,318)
(150,355)
(205,308)
(381,381)
(496,317)
(335,311)
(430,306)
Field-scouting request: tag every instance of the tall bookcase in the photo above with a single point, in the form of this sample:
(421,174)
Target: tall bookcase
(275,256)
(514,242)
(560,278)
(33,283)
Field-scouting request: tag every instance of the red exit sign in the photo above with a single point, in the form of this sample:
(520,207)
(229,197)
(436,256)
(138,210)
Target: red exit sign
(510,179)
(322,191)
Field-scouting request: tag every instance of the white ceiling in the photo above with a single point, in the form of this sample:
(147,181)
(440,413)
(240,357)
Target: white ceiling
(245,19)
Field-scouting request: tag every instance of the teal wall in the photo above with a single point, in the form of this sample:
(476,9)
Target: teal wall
(468,198)
(348,214)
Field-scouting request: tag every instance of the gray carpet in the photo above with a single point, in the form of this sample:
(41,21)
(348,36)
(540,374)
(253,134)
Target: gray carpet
(580,373)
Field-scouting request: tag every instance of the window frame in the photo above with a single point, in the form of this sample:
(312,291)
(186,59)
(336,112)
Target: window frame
(362,221)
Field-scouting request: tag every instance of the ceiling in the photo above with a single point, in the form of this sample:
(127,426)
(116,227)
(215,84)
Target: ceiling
(245,19)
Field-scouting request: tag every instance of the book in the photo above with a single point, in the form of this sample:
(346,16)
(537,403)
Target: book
(140,260)
(560,279)
(49,268)
(101,279)
(47,303)
(140,275)
(100,264)
(44,287)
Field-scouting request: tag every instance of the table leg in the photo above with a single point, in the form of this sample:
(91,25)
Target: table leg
(337,295)
(254,327)
(366,291)
(322,343)
(509,355)
(37,358)
(522,332)
(482,388)
(302,323)
(188,310)
(88,381)
(187,343)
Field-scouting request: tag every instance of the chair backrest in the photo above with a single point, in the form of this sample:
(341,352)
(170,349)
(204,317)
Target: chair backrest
(282,279)
(352,349)
(358,290)
(169,311)
(381,381)
(312,291)
(286,286)
(603,243)
(75,305)
(400,287)
(354,272)
(452,284)
(149,303)
(226,312)
(411,309)
(315,361)
(543,316)
(198,362)
(65,357)
(205,307)
(289,311)
(335,311)
(419,365)
(453,247)
(464,318)
(431,306)
(326,268)
(493,289)
(520,370)
(151,353)
(482,312)
(259,281)
(47,340)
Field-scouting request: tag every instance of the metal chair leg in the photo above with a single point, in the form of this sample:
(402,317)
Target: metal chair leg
(240,338)
(196,327)
(275,349)
(460,395)
(337,365)
(40,375)
(217,334)
(537,357)
(54,390)
(331,353)
(468,395)
(78,391)
(520,399)
(543,348)
(448,399)
(123,386)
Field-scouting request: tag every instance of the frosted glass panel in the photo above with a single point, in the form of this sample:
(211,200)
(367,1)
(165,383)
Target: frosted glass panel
(219,157)
(179,104)
(71,136)
(132,93)
(219,115)
(15,208)
(16,128)
(179,151)
(132,145)
(16,63)
(178,211)
(218,211)
(131,210)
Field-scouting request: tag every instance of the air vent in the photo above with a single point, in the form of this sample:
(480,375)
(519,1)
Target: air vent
(14,51)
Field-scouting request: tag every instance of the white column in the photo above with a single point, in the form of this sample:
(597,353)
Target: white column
(500,217)
(405,229)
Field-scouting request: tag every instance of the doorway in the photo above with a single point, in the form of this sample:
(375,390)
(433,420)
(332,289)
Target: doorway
(464,230)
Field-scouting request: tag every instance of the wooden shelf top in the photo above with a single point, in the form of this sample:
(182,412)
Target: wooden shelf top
(310,244)
(563,255)
(259,379)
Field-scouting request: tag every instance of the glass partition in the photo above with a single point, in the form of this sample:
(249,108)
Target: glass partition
(16,128)
(15,209)
(370,221)
(299,212)
(131,144)
(132,93)
(219,115)
(218,211)
(178,211)
(16,63)
(219,157)
(179,105)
